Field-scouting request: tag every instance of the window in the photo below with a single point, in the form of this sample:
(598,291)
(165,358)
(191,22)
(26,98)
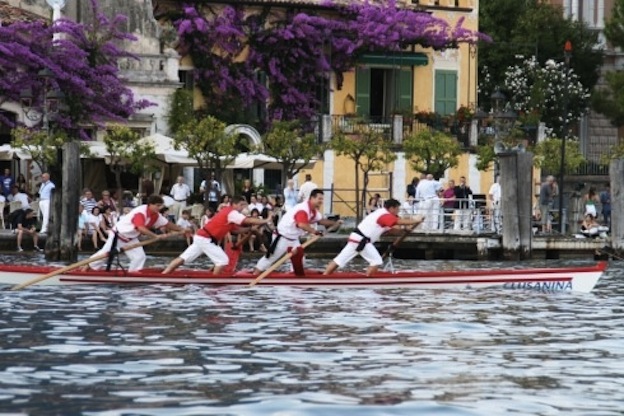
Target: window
(445,92)
(381,91)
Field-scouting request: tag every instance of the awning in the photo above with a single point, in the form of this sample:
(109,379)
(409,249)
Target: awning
(165,150)
(394,59)
(262,161)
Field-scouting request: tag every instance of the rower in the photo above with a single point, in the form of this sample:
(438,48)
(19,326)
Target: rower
(362,239)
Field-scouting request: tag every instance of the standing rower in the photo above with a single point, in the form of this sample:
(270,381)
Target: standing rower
(141,220)
(297,221)
(206,240)
(362,239)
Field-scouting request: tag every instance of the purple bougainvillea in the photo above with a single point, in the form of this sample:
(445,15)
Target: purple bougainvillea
(297,51)
(81,63)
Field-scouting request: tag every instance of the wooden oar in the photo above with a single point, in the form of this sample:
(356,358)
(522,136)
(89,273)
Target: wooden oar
(88,261)
(398,241)
(283,260)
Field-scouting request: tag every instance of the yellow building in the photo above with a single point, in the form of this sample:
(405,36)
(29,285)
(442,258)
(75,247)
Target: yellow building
(382,89)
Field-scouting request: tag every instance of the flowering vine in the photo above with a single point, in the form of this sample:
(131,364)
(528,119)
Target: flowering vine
(297,51)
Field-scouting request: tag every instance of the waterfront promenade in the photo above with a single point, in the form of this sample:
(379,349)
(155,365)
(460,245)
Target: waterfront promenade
(420,245)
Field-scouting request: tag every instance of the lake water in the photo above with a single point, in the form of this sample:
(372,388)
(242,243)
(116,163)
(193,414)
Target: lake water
(191,350)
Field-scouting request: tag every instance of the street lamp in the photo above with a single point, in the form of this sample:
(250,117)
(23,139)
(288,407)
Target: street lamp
(38,110)
(567,54)
(503,118)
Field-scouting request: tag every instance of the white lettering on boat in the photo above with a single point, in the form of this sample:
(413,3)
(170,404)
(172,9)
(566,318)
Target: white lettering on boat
(544,286)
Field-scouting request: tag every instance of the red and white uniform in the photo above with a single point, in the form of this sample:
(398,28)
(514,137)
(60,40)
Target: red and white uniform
(207,238)
(289,232)
(128,233)
(372,226)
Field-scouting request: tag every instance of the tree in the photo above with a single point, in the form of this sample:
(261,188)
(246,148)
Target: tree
(290,146)
(548,155)
(181,109)
(430,151)
(207,142)
(236,50)
(370,151)
(538,29)
(38,144)
(609,100)
(81,63)
(127,152)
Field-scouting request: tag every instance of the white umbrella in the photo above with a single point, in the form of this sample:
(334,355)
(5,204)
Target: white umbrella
(259,160)
(165,150)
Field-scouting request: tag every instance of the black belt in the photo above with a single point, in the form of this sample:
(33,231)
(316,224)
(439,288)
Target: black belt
(365,240)
(180,200)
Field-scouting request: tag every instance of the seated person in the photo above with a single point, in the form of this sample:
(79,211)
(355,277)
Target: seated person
(25,222)
(591,228)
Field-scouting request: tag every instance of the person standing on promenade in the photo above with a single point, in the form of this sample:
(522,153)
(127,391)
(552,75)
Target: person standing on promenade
(494,195)
(428,206)
(546,199)
(45,193)
(7,182)
(605,202)
(305,190)
(290,195)
(295,223)
(463,193)
(362,240)
(207,239)
(140,220)
(180,192)
(411,187)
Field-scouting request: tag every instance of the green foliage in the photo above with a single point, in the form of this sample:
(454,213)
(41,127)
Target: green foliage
(286,142)
(180,109)
(485,157)
(610,100)
(43,147)
(548,155)
(538,29)
(207,142)
(615,152)
(432,152)
(368,149)
(127,151)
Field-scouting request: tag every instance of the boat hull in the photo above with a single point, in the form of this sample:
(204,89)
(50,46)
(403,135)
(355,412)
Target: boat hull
(577,279)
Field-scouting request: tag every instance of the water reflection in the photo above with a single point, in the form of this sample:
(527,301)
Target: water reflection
(193,350)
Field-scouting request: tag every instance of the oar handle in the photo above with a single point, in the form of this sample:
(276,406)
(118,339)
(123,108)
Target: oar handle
(399,240)
(283,260)
(90,260)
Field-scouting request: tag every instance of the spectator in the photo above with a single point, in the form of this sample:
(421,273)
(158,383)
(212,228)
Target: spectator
(306,189)
(449,204)
(605,201)
(463,194)
(93,226)
(411,187)
(590,199)
(374,203)
(255,204)
(205,219)
(546,199)
(22,184)
(290,195)
(185,222)
(87,200)
(226,201)
(494,196)
(211,189)
(45,193)
(16,195)
(107,201)
(81,233)
(7,182)
(591,228)
(247,190)
(426,193)
(180,192)
(25,223)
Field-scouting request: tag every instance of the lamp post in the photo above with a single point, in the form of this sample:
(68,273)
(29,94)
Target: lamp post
(567,54)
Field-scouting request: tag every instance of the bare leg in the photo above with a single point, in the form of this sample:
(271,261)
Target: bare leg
(331,267)
(175,263)
(19,239)
(217,270)
(372,270)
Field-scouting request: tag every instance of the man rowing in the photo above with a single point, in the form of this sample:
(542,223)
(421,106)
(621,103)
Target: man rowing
(296,222)
(207,238)
(362,240)
(139,221)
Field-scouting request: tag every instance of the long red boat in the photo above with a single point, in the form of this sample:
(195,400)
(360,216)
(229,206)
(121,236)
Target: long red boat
(577,279)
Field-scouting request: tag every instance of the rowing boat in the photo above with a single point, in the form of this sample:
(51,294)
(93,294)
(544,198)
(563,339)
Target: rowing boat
(577,279)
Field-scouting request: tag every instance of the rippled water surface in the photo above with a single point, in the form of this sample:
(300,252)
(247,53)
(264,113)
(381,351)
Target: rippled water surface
(191,350)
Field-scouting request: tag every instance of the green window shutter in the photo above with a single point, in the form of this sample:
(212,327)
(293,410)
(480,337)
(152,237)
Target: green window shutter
(406,87)
(445,92)
(362,91)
